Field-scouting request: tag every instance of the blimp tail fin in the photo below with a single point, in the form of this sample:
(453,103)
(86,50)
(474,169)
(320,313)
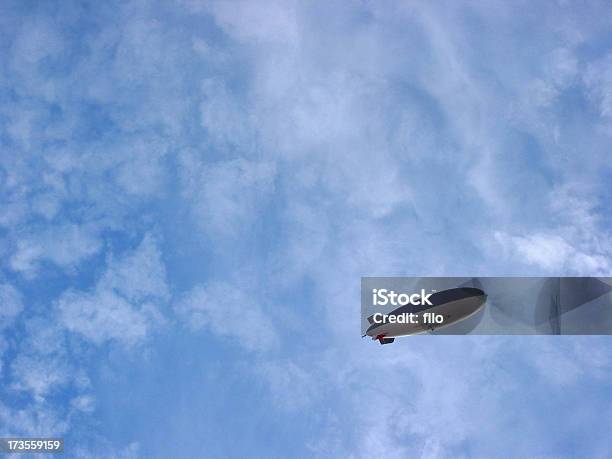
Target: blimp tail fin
(371,319)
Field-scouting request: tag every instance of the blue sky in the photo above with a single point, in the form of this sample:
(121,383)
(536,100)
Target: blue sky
(169,168)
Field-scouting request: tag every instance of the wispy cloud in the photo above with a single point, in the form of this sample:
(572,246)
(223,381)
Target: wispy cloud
(155,154)
(125,303)
(228,312)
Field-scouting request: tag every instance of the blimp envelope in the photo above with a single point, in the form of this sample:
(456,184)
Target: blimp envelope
(485,305)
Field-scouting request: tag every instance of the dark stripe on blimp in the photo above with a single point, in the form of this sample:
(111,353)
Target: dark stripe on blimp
(437,299)
(454,294)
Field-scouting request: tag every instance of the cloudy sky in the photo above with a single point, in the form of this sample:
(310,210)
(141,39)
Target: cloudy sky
(190,191)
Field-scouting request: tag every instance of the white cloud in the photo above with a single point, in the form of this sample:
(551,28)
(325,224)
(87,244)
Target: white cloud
(552,253)
(598,79)
(291,386)
(275,23)
(226,121)
(65,245)
(578,243)
(139,274)
(36,40)
(226,196)
(41,362)
(103,316)
(46,367)
(228,312)
(84,403)
(11,304)
(561,364)
(548,251)
(40,374)
(124,305)
(142,173)
(40,420)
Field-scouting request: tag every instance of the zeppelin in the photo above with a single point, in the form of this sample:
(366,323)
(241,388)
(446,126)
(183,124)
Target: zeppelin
(451,305)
